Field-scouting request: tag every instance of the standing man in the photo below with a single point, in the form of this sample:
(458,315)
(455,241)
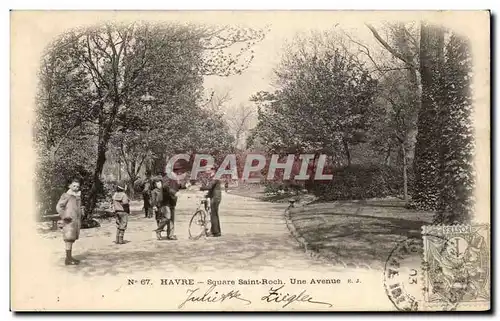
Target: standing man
(170,188)
(215,195)
(146,196)
(69,209)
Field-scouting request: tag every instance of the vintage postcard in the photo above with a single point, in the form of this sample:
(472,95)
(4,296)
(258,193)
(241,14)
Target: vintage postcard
(250,161)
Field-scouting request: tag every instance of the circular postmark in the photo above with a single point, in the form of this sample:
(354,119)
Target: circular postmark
(402,275)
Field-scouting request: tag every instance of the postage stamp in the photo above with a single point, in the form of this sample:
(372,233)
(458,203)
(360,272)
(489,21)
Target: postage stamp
(457,264)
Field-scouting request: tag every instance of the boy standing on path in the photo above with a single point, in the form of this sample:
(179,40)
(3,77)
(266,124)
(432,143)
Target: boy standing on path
(69,209)
(121,206)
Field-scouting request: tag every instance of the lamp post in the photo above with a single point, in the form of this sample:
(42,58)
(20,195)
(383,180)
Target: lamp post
(147,100)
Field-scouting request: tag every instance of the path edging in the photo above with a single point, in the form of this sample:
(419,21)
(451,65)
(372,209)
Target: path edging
(307,247)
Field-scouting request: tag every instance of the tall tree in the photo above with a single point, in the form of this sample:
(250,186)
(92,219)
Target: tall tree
(427,149)
(395,120)
(457,134)
(239,119)
(324,96)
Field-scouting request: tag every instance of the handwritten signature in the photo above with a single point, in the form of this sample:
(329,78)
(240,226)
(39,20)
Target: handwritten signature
(212,296)
(276,296)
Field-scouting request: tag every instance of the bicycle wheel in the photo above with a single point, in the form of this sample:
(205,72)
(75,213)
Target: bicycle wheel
(197,225)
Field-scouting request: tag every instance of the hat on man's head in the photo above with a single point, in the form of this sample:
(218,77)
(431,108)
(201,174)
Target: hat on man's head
(121,185)
(156,178)
(177,166)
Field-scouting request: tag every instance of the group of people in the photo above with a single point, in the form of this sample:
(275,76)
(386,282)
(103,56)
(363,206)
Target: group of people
(160,200)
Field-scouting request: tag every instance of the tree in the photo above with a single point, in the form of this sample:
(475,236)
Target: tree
(457,134)
(322,101)
(239,120)
(395,120)
(110,67)
(400,89)
(62,122)
(439,63)
(427,148)
(217,101)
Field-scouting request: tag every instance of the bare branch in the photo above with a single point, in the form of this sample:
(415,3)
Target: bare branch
(389,48)
(91,63)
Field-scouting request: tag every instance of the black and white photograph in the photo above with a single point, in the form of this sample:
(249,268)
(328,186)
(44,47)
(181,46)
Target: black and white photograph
(250,161)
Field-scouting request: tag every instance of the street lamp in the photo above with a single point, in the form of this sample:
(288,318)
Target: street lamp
(147,99)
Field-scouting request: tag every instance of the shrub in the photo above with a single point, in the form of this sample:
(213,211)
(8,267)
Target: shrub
(273,187)
(52,179)
(361,182)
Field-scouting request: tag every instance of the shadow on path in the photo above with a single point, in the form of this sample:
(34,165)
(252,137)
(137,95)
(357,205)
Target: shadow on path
(359,233)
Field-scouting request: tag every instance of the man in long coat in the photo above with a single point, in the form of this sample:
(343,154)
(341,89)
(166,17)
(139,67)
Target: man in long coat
(215,195)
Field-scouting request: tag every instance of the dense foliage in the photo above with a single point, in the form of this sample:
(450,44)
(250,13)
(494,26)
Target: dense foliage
(357,182)
(132,93)
(393,119)
(412,108)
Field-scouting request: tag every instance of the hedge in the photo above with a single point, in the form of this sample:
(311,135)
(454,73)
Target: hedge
(362,182)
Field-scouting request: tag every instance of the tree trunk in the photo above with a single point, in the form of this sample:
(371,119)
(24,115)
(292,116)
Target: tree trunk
(158,164)
(132,177)
(131,189)
(388,157)
(148,166)
(347,151)
(457,147)
(96,179)
(426,161)
(119,176)
(405,173)
(102,147)
(310,182)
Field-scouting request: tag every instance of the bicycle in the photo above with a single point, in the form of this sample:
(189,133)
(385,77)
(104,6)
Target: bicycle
(200,221)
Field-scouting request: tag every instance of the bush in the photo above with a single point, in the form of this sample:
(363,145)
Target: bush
(362,182)
(108,188)
(52,180)
(272,188)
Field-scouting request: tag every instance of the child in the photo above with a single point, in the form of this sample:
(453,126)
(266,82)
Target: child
(159,207)
(69,209)
(121,207)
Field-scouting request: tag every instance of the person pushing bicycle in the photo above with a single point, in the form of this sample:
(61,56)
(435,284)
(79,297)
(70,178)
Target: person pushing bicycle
(215,195)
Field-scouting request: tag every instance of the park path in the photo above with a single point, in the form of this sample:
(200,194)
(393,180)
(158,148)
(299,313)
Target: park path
(255,238)
(358,233)
(255,244)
